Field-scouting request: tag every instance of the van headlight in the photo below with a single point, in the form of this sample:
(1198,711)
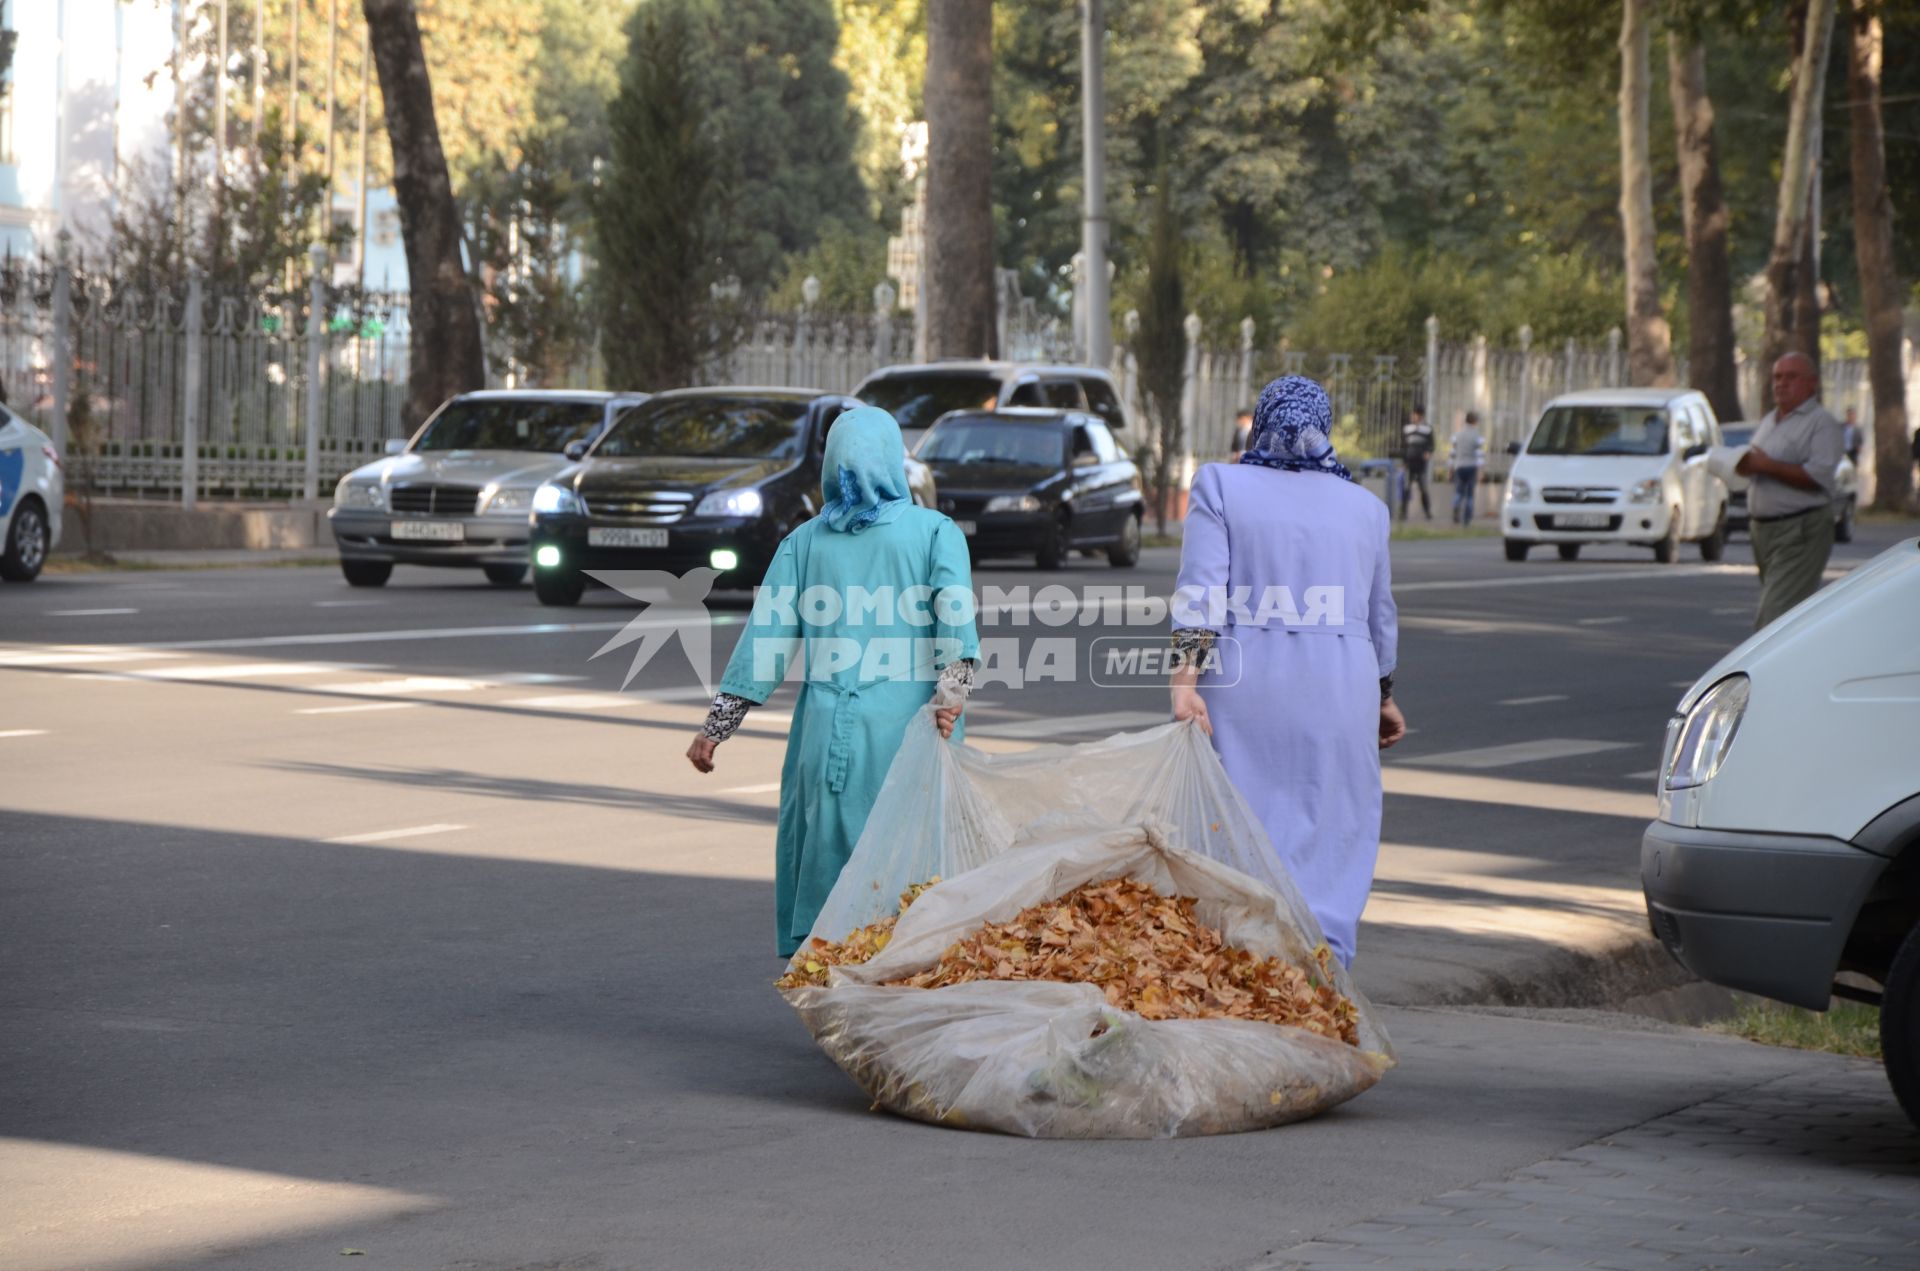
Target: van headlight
(1013,503)
(1518,491)
(553,500)
(1697,744)
(731,503)
(1647,491)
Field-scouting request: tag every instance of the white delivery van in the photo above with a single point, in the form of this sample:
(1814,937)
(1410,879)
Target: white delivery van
(1788,845)
(1618,465)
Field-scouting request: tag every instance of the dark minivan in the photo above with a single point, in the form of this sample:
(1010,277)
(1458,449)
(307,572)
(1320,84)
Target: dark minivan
(712,477)
(1039,483)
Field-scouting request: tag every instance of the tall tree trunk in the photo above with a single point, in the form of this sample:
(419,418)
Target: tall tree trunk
(1649,342)
(1710,365)
(1873,245)
(444,355)
(959,222)
(1784,264)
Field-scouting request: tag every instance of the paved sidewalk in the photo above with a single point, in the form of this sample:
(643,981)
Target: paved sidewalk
(1816,1169)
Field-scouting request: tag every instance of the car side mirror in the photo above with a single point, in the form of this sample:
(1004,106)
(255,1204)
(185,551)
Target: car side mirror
(1513,447)
(1085,459)
(396,445)
(577,450)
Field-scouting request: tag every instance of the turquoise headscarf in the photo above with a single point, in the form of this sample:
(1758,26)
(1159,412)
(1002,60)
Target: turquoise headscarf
(864,478)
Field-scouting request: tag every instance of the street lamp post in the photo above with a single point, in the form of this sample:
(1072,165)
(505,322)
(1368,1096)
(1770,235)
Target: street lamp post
(1093,231)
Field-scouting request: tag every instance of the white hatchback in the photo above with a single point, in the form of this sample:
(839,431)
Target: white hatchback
(31,492)
(1623,465)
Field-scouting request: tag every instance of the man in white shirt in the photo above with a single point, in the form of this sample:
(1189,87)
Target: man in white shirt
(1792,461)
(1469,453)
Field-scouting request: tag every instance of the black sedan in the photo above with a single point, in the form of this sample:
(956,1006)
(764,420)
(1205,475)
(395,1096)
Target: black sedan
(1039,483)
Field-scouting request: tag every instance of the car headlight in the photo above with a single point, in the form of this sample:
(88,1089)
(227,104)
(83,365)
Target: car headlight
(360,494)
(1013,503)
(1647,491)
(1518,490)
(731,503)
(510,499)
(1698,743)
(554,499)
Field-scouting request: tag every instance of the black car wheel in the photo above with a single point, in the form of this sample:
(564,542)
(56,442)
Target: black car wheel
(27,543)
(1517,549)
(1667,550)
(1900,1025)
(559,586)
(1569,551)
(506,575)
(366,573)
(1126,553)
(1843,528)
(1053,546)
(1714,545)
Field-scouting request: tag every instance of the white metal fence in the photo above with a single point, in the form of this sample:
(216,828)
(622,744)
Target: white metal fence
(183,394)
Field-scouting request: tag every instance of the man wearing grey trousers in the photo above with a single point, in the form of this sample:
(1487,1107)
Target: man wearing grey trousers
(1792,461)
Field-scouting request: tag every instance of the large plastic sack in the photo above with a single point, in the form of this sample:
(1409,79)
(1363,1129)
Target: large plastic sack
(1054,1060)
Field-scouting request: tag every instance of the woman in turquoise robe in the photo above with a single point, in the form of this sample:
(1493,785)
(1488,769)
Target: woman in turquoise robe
(874,598)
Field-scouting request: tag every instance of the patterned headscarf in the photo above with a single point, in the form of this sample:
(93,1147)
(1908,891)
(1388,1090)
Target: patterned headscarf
(1293,429)
(864,477)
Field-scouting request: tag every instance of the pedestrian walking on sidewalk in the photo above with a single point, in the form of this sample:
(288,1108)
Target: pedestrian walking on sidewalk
(1416,451)
(1793,462)
(1468,456)
(867,669)
(1285,620)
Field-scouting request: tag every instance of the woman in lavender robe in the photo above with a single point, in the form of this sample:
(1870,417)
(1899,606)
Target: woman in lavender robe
(1286,615)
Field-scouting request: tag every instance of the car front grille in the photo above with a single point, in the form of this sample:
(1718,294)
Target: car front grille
(443,500)
(1579,494)
(639,505)
(1545,522)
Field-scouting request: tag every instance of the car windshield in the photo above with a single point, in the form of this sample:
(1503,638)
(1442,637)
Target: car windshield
(1600,430)
(510,424)
(975,440)
(917,400)
(708,428)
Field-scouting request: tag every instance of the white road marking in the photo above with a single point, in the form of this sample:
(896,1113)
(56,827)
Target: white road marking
(364,706)
(1507,792)
(1648,775)
(345,604)
(1533,701)
(410,684)
(1600,622)
(442,633)
(86,613)
(24,732)
(81,655)
(1516,753)
(768,788)
(576,702)
(1594,576)
(387,836)
(241,671)
(1064,725)
(1681,683)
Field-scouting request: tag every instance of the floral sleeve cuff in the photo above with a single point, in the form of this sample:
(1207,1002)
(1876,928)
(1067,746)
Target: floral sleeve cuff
(724,717)
(1190,643)
(956,684)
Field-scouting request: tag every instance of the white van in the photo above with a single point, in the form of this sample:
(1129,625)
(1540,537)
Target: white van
(1618,465)
(1788,845)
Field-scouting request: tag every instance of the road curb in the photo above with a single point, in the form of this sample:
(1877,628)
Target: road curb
(1635,971)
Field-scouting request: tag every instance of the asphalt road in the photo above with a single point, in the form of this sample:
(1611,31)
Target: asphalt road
(385,920)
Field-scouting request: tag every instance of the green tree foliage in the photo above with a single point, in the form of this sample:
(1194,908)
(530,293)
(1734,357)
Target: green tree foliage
(765,80)
(850,260)
(660,223)
(522,235)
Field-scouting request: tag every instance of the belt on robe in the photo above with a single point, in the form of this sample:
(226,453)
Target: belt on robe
(1357,630)
(840,749)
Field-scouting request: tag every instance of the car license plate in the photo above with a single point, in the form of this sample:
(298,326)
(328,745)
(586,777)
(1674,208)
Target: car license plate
(430,531)
(969,528)
(612,536)
(1580,521)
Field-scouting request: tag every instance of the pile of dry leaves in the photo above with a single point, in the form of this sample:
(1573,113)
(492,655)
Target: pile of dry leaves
(810,966)
(1149,954)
